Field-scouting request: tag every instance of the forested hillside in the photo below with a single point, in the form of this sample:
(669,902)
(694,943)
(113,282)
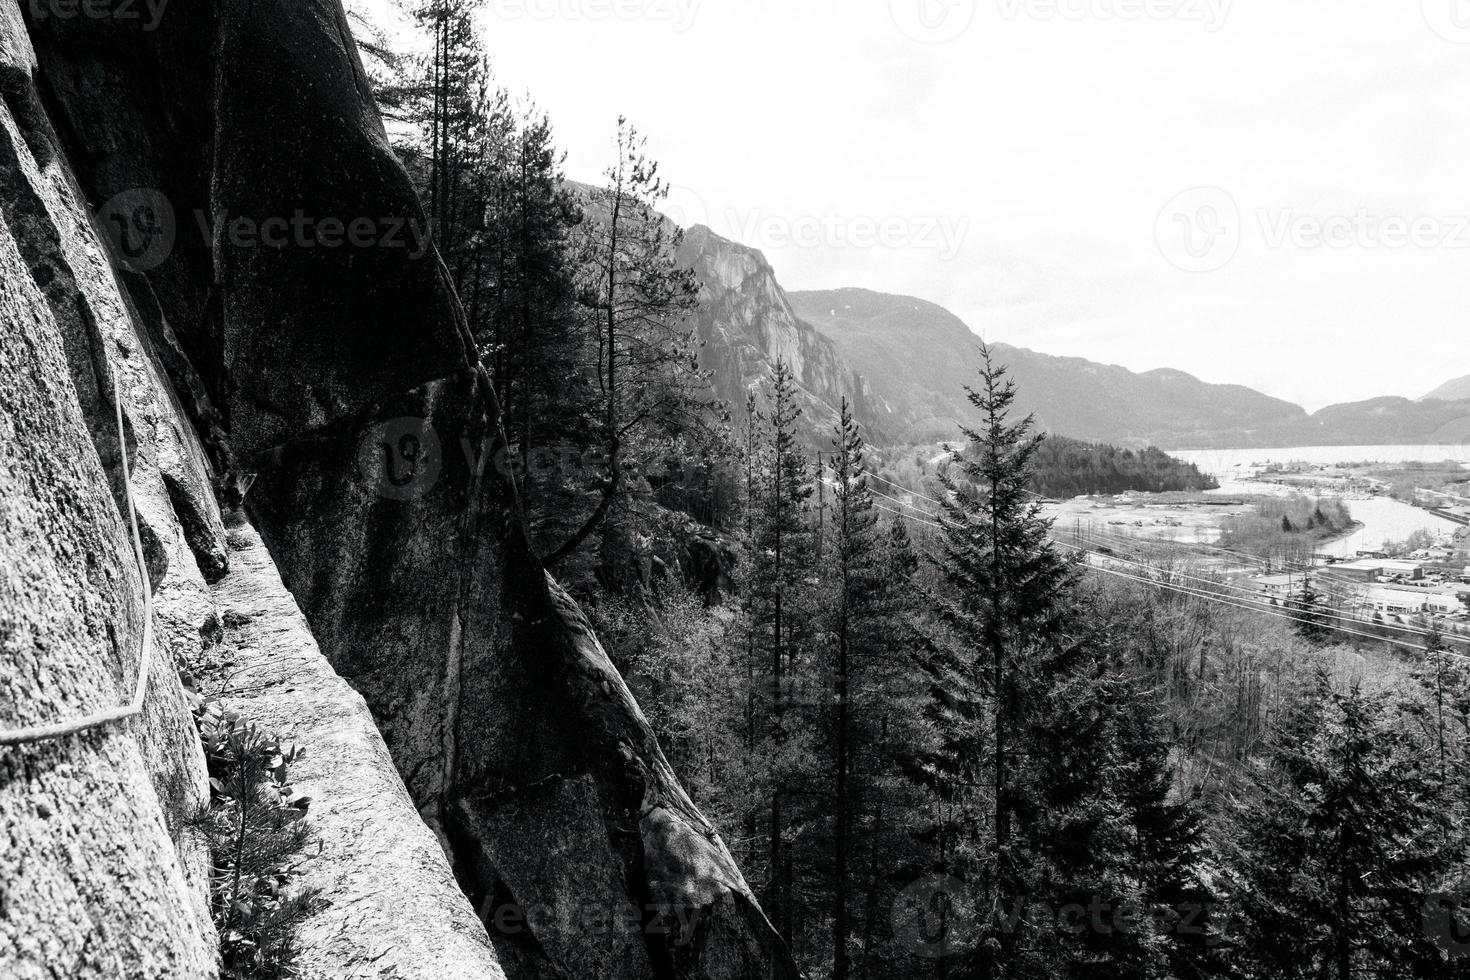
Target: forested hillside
(939,736)
(914,352)
(1072,468)
(1456,390)
(916,356)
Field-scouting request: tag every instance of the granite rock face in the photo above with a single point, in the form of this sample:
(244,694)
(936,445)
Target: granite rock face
(304,341)
(389,904)
(747,324)
(94,864)
(101,874)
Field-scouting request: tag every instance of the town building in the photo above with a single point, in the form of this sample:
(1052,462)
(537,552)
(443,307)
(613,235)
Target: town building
(1277,586)
(1369,570)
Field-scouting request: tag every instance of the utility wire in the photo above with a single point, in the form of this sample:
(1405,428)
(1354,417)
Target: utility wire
(1264,612)
(1340,591)
(1246,595)
(1245,599)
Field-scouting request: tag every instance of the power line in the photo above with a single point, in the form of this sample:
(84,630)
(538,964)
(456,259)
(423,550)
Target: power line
(899,486)
(1246,594)
(1245,599)
(1341,594)
(907,517)
(1261,611)
(916,509)
(1340,591)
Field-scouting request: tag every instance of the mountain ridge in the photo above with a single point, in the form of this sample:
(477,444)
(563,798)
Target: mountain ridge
(918,356)
(904,363)
(1456,390)
(931,356)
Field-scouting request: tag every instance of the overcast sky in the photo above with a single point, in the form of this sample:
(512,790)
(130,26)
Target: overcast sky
(1268,192)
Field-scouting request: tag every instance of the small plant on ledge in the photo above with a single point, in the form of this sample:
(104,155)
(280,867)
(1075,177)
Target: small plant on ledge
(257,834)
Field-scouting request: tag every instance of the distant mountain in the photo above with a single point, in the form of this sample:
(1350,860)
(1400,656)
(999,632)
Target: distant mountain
(1456,390)
(1385,422)
(918,357)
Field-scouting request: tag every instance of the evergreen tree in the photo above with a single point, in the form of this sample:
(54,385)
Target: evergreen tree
(1006,604)
(1109,836)
(523,310)
(872,677)
(750,607)
(502,218)
(894,832)
(638,299)
(1340,843)
(784,547)
(1444,680)
(1166,850)
(855,526)
(450,101)
(1310,609)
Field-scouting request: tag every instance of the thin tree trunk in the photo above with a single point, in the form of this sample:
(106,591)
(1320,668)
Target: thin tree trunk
(777,679)
(870,910)
(841,927)
(1343,937)
(750,830)
(614,441)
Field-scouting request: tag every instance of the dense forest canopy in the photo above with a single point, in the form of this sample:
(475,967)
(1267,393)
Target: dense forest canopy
(1062,468)
(1071,468)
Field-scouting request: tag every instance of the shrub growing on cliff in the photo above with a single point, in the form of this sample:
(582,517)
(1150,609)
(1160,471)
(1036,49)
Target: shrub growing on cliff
(256,833)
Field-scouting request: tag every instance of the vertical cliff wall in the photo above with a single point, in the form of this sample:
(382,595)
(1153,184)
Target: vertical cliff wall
(747,324)
(100,873)
(303,339)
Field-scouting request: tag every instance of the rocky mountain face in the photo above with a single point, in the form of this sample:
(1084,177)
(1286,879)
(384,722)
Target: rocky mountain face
(747,323)
(917,357)
(101,874)
(178,206)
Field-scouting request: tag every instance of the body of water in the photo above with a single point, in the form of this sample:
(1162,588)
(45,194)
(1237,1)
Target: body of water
(1384,520)
(1227,464)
